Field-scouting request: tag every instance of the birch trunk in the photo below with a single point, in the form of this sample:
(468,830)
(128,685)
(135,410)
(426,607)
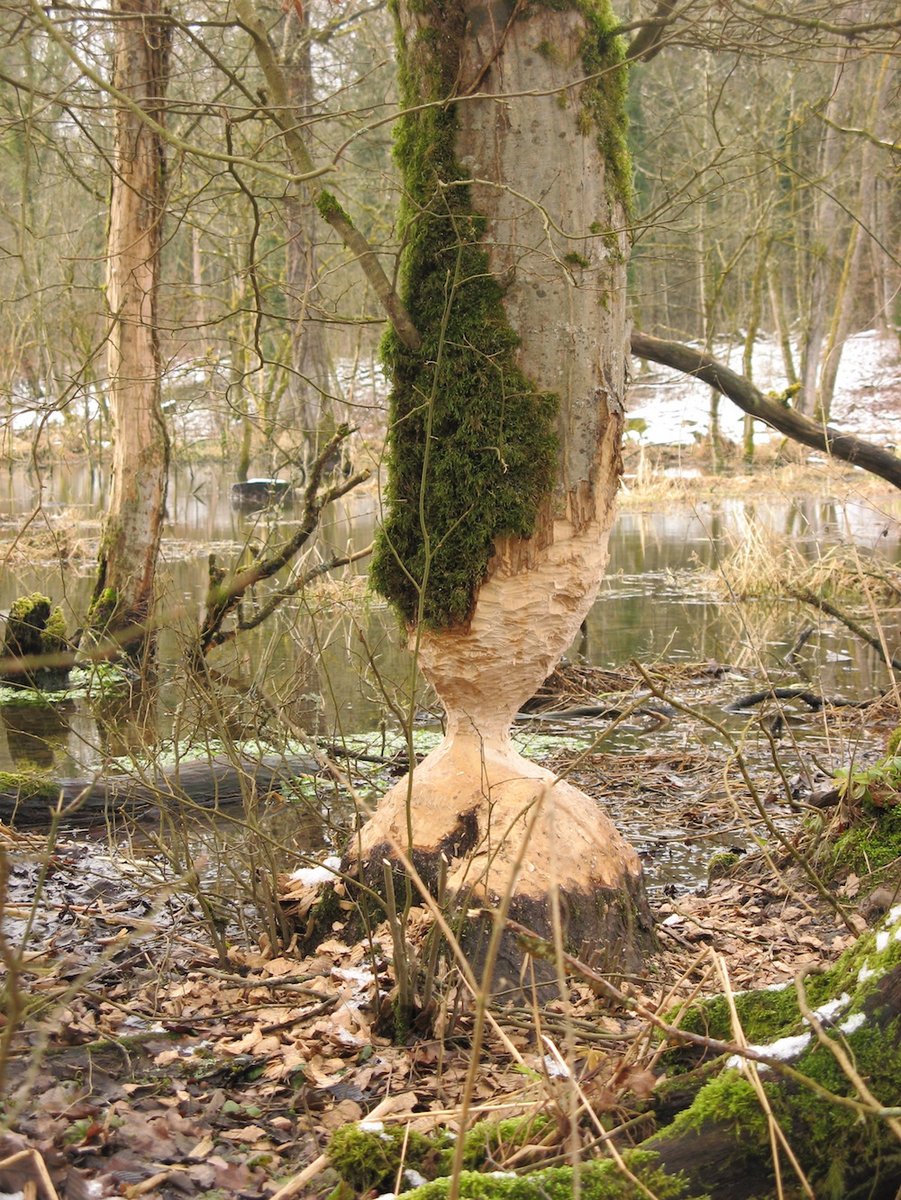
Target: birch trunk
(549,187)
(124,592)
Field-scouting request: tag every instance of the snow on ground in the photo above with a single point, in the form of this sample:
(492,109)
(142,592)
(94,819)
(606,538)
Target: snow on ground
(676,408)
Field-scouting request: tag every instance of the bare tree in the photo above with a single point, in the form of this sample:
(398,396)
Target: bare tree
(124,592)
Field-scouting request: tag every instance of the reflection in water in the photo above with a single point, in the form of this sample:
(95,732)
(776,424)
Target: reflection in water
(342,667)
(34,732)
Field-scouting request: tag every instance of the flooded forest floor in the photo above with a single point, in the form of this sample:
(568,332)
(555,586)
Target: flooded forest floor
(162,1034)
(163,1037)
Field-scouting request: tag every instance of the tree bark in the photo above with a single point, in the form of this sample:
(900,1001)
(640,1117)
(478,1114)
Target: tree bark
(532,176)
(124,591)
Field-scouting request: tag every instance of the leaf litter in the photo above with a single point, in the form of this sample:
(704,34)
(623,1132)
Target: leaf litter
(141,1062)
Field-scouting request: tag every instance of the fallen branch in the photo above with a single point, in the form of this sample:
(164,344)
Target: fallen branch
(775,413)
(811,699)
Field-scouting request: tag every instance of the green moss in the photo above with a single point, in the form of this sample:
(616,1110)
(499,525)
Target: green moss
(29,785)
(329,207)
(598,1180)
(604,97)
(727,1100)
(576,260)
(872,844)
(35,627)
(492,1141)
(54,639)
(548,50)
(721,864)
(768,1015)
(894,741)
(372,1158)
(103,609)
(837,1148)
(472,442)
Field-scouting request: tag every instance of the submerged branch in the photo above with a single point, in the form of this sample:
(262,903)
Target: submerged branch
(809,597)
(775,413)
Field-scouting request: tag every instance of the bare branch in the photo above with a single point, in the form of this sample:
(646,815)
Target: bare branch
(775,413)
(278,108)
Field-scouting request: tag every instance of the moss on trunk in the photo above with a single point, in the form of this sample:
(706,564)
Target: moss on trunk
(473,444)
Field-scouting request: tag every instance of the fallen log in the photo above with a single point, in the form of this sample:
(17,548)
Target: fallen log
(29,799)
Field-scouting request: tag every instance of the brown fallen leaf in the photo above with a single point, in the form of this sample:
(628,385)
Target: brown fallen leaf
(247,1133)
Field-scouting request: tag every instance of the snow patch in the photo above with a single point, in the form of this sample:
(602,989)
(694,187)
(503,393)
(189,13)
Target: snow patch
(314,876)
(853,1023)
(675,408)
(831,1009)
(413,1178)
(555,1068)
(784,1049)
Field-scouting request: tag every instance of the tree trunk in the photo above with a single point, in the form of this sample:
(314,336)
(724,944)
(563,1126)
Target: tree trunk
(313,389)
(505,446)
(123,596)
(862,232)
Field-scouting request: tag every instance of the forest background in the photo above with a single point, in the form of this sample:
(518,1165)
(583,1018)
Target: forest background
(764,214)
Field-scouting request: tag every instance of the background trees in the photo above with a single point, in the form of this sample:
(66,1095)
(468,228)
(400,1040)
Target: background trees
(765,177)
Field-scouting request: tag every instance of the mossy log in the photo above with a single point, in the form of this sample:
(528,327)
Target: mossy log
(828,1064)
(28,798)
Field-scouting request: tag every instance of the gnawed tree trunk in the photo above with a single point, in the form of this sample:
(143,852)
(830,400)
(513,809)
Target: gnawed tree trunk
(505,446)
(124,593)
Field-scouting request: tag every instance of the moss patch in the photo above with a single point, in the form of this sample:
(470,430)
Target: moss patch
(472,445)
(35,628)
(834,1146)
(372,1157)
(493,1141)
(872,844)
(604,98)
(29,785)
(728,1100)
(597,1181)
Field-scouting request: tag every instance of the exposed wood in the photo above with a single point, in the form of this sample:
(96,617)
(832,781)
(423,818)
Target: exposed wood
(780,416)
